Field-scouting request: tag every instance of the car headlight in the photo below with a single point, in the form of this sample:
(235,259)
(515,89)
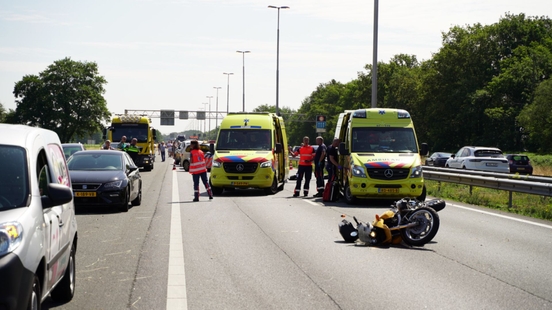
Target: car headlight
(266,164)
(216,164)
(114,184)
(416,172)
(11,235)
(358,171)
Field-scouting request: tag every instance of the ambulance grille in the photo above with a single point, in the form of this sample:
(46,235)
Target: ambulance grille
(384,173)
(240,167)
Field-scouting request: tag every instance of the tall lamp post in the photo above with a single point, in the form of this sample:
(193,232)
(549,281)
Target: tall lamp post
(243,75)
(209,97)
(278,54)
(228,92)
(375,59)
(216,115)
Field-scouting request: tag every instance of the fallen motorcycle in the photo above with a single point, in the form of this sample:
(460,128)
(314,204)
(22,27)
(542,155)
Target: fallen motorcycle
(409,220)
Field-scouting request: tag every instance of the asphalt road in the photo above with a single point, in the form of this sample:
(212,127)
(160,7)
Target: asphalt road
(246,250)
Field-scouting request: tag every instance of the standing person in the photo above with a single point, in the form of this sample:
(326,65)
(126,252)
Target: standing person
(332,166)
(306,156)
(133,150)
(122,144)
(170,148)
(198,170)
(319,161)
(107,145)
(161,148)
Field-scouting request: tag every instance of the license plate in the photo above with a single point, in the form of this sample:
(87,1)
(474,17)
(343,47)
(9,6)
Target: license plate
(388,190)
(240,183)
(85,194)
(491,164)
(520,168)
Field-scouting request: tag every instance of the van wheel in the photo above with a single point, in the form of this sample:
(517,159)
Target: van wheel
(124,205)
(348,196)
(65,290)
(422,197)
(216,190)
(34,299)
(273,189)
(281,187)
(186,165)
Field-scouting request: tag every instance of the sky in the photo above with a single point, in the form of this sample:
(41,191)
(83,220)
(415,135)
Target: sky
(171,54)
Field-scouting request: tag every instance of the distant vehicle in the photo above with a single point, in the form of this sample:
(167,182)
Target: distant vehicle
(479,158)
(205,147)
(437,159)
(102,177)
(71,148)
(519,163)
(38,227)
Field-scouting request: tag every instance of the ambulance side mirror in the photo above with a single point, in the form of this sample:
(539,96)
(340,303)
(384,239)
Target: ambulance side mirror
(212,148)
(342,149)
(424,150)
(278,149)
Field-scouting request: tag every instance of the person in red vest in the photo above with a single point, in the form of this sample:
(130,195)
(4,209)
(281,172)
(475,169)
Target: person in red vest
(198,170)
(306,157)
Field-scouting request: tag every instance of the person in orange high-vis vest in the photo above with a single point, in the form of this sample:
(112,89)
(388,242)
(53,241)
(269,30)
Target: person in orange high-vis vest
(198,170)
(306,157)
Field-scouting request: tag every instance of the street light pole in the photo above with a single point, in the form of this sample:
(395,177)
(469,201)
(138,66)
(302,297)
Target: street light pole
(278,55)
(243,75)
(375,59)
(209,114)
(228,92)
(216,115)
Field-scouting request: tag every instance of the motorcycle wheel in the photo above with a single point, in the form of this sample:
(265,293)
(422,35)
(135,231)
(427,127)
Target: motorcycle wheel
(428,225)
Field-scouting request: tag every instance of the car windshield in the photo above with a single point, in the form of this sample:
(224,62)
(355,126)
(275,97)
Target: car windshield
(383,140)
(244,139)
(138,131)
(488,153)
(95,161)
(14,183)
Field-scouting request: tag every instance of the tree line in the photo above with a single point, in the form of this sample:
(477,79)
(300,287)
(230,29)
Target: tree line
(487,85)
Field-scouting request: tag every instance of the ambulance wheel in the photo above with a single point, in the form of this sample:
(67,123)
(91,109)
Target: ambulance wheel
(216,190)
(348,196)
(273,189)
(422,197)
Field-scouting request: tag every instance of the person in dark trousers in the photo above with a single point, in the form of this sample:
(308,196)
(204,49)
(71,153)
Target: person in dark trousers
(306,157)
(133,150)
(198,170)
(332,165)
(161,149)
(319,161)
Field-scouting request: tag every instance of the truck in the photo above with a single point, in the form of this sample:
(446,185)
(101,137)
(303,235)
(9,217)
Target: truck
(251,152)
(379,155)
(134,126)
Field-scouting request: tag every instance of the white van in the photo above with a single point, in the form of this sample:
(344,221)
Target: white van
(38,228)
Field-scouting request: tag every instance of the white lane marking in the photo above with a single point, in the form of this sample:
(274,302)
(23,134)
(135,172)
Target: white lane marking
(312,202)
(502,216)
(176,285)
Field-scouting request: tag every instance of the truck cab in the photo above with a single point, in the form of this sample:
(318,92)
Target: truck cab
(380,155)
(251,152)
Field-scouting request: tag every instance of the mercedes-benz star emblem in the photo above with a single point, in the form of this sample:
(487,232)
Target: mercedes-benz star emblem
(239,167)
(388,173)
(84,186)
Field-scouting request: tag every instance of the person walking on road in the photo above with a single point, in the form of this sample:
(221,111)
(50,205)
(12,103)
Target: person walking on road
(319,161)
(198,170)
(133,150)
(306,157)
(161,149)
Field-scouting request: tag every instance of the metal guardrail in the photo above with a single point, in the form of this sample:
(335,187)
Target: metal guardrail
(501,181)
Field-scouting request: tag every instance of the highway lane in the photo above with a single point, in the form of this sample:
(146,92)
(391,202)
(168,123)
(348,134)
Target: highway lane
(245,250)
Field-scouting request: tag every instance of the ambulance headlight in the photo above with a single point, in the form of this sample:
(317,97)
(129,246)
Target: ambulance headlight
(358,171)
(266,164)
(416,172)
(216,164)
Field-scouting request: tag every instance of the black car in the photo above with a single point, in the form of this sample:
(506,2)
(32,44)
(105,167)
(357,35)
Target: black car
(71,148)
(105,178)
(437,159)
(519,163)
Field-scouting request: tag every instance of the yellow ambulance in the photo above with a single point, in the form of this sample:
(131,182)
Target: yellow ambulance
(251,152)
(379,155)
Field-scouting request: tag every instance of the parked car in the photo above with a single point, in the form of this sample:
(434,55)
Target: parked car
(105,178)
(38,227)
(205,147)
(71,148)
(437,159)
(479,158)
(519,163)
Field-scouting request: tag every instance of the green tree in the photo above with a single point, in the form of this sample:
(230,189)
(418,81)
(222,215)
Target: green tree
(67,98)
(535,120)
